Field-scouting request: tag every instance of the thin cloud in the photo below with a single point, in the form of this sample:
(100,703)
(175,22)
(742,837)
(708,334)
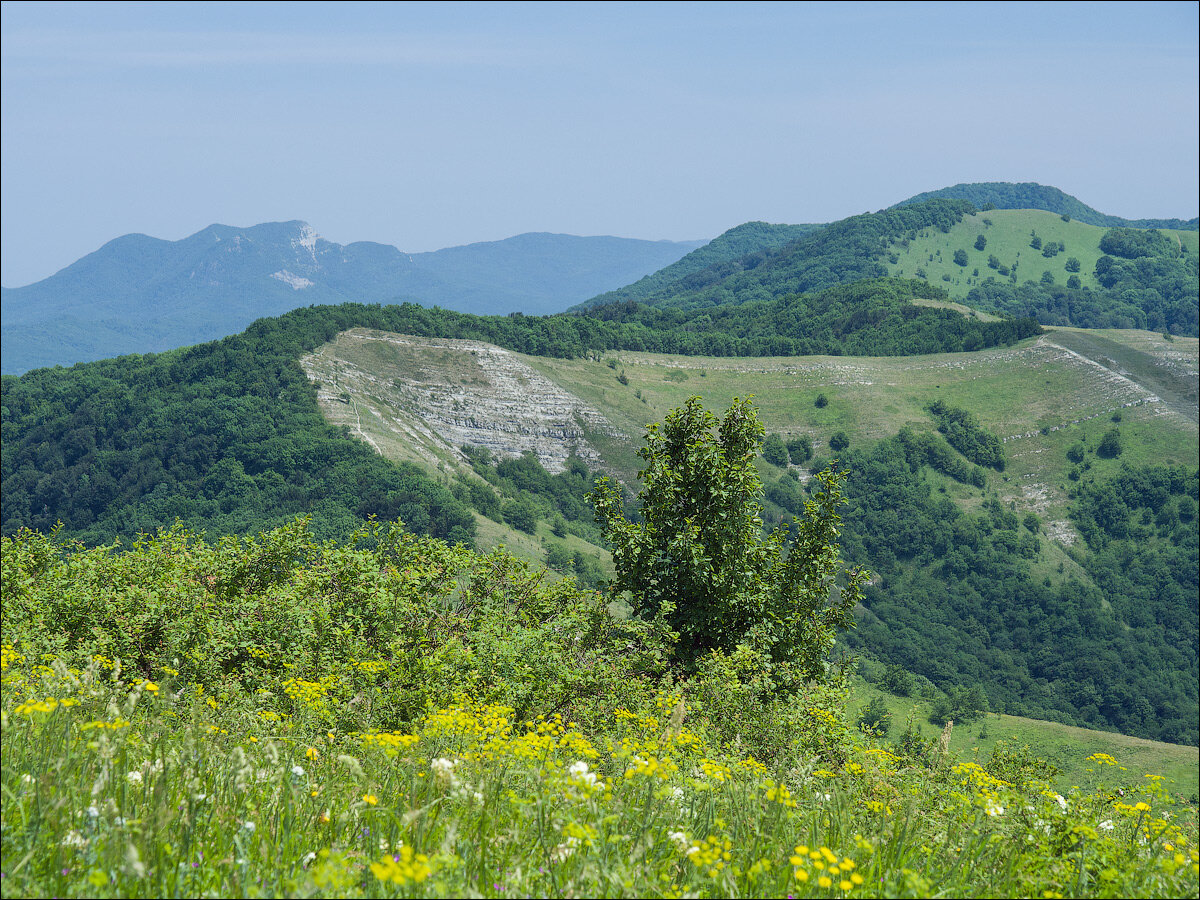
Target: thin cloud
(178,49)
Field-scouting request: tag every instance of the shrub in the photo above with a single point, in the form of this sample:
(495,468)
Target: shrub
(875,718)
(1110,445)
(799,450)
(775,451)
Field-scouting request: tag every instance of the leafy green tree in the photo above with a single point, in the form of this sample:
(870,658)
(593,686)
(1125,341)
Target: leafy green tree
(1035,242)
(1074,283)
(799,449)
(1072,264)
(775,451)
(980,242)
(698,561)
(993,261)
(821,402)
(897,680)
(960,257)
(839,441)
(521,515)
(1110,445)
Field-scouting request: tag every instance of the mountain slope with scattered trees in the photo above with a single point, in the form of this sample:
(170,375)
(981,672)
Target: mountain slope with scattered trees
(1030,195)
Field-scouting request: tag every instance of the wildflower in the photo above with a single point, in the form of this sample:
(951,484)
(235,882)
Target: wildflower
(370,799)
(443,770)
(679,839)
(311,753)
(134,777)
(74,839)
(403,868)
(825,881)
(248,827)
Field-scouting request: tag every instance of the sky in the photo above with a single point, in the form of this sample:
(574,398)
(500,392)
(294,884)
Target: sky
(434,125)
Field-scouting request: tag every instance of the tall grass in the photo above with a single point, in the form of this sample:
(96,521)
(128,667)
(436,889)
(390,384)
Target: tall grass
(125,787)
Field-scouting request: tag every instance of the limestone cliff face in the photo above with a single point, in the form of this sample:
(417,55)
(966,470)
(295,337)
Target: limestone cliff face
(441,393)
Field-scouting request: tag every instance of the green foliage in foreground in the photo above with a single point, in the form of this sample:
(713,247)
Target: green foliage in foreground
(257,747)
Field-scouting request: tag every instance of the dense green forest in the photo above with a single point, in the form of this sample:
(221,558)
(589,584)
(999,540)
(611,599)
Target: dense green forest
(1029,195)
(842,252)
(1149,280)
(955,600)
(746,239)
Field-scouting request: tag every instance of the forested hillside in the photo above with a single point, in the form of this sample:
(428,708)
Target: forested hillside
(750,239)
(842,252)
(1030,195)
(227,436)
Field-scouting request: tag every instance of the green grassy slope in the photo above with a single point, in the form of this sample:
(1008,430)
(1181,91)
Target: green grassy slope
(1008,236)
(1066,746)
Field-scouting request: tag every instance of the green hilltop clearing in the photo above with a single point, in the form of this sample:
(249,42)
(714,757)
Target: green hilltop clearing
(1007,234)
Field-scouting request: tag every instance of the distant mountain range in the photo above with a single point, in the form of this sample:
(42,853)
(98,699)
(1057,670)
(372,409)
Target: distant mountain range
(139,294)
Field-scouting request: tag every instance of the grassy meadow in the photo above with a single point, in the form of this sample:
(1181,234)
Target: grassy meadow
(1061,745)
(1008,233)
(395,717)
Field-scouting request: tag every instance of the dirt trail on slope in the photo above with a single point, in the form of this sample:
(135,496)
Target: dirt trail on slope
(1171,375)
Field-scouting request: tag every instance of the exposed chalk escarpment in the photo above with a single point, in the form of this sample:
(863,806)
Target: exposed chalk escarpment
(440,393)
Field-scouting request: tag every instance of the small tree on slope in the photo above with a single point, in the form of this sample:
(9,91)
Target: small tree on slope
(699,560)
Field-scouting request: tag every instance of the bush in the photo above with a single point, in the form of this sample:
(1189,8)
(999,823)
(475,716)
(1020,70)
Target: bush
(897,681)
(1110,445)
(521,515)
(775,451)
(876,718)
(839,441)
(821,402)
(960,705)
(960,256)
(980,242)
(799,450)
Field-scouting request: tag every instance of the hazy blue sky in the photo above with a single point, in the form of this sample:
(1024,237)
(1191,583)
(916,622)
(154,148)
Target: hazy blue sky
(432,125)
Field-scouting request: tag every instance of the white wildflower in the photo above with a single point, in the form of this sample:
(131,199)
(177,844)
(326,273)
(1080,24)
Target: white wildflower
(134,777)
(443,770)
(74,839)
(298,772)
(248,827)
(1106,825)
(993,809)
(680,840)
